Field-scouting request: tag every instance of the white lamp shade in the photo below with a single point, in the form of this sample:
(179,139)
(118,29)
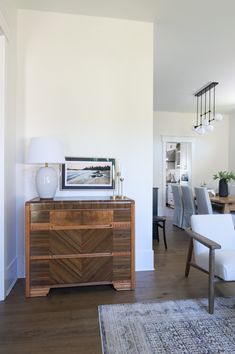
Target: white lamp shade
(45,150)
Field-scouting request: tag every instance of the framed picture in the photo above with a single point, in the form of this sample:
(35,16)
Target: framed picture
(88,173)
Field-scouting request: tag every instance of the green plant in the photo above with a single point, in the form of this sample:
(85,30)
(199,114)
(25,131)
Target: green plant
(227,176)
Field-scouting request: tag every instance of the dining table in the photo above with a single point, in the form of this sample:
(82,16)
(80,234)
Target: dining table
(227,203)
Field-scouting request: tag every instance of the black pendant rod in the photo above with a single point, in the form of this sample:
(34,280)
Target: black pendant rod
(205,112)
(197,111)
(209,106)
(205,88)
(201,113)
(214,105)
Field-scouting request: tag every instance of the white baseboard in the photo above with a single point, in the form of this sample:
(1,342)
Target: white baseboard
(10,275)
(144,260)
(10,287)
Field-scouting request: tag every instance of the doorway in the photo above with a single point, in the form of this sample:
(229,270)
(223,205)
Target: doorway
(177,167)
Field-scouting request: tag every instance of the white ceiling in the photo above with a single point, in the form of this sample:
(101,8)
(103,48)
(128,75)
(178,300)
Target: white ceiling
(194,44)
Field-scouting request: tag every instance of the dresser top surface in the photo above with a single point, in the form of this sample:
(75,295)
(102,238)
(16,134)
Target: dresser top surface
(81,199)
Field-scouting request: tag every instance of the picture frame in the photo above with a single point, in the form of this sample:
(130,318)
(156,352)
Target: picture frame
(88,173)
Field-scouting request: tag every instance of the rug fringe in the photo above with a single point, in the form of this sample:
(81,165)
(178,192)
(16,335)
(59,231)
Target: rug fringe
(101,336)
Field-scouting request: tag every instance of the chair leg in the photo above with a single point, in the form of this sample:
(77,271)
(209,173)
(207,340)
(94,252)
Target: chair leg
(211,287)
(157,232)
(164,234)
(189,257)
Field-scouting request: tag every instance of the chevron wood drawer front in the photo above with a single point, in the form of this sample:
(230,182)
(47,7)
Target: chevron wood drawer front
(79,242)
(71,241)
(71,271)
(83,270)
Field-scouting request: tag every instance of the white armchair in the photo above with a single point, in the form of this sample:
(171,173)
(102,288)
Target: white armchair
(212,241)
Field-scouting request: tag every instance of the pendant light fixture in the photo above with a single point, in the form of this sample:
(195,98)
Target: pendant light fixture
(206,109)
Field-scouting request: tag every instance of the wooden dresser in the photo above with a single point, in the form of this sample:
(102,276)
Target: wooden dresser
(82,241)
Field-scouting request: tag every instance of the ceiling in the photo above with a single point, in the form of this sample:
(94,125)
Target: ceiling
(194,44)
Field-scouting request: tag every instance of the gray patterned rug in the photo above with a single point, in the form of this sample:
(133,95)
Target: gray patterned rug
(172,327)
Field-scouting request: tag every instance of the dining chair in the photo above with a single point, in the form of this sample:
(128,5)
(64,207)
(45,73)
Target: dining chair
(203,201)
(204,205)
(212,241)
(188,205)
(178,205)
(158,221)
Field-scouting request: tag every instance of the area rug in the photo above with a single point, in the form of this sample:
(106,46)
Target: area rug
(172,327)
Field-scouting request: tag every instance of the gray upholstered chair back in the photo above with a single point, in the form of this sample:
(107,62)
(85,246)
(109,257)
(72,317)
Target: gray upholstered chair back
(176,190)
(189,206)
(203,201)
(178,205)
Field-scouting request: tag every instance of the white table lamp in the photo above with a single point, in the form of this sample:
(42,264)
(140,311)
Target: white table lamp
(46,150)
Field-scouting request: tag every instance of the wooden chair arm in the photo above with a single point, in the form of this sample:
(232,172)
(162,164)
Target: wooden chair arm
(203,240)
(212,247)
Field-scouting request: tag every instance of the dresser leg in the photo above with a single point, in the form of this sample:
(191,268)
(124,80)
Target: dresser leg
(39,292)
(122,285)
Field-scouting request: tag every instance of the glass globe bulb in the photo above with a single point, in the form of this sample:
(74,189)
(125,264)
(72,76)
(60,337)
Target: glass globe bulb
(218,117)
(205,122)
(194,128)
(200,130)
(209,128)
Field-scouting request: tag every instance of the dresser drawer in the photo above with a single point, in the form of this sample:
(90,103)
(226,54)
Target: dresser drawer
(84,270)
(81,241)
(70,271)
(81,217)
(65,242)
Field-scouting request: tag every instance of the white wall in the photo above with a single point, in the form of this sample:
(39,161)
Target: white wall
(7,141)
(232,142)
(88,81)
(232,148)
(211,151)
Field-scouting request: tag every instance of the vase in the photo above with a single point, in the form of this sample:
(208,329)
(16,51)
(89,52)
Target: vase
(223,188)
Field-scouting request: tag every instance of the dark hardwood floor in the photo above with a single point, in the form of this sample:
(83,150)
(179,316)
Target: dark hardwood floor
(66,321)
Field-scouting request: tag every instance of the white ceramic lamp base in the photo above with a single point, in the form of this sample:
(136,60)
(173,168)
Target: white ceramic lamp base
(46,182)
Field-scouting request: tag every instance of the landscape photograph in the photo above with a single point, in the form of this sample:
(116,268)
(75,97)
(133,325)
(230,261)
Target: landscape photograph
(87,173)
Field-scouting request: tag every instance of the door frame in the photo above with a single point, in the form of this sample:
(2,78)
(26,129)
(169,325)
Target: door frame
(4,40)
(2,138)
